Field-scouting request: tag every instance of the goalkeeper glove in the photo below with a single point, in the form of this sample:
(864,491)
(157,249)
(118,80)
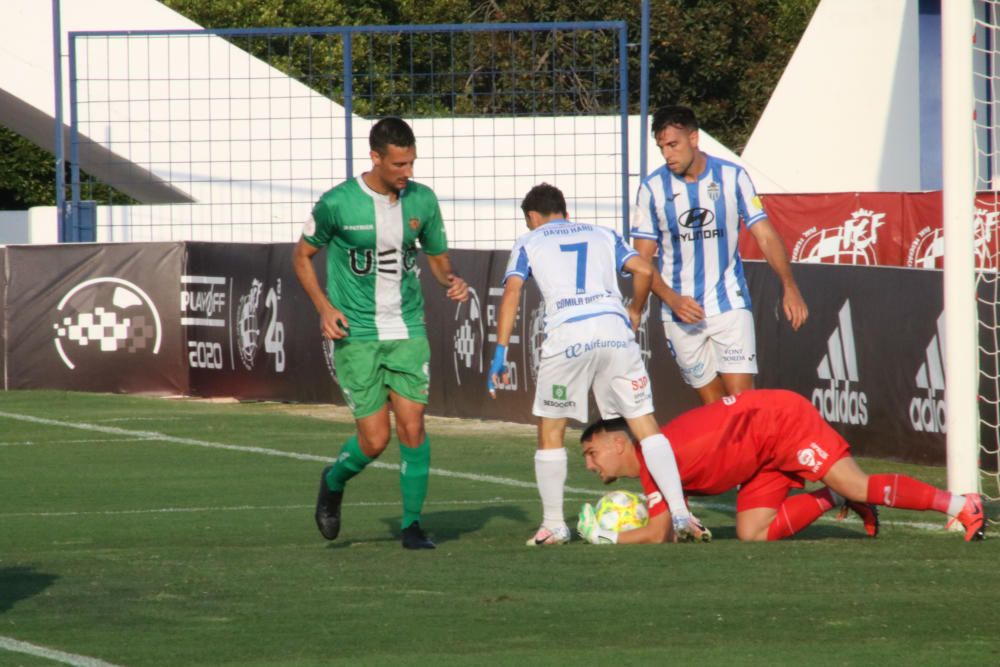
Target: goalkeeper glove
(589,529)
(688,528)
(497,369)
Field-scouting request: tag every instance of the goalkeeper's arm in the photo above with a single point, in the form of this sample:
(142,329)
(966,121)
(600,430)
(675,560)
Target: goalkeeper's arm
(656,531)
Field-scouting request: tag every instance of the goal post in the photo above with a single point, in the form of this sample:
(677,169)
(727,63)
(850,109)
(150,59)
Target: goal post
(959,186)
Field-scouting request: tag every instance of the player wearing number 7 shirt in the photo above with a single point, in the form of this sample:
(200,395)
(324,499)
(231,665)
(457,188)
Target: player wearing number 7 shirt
(589,344)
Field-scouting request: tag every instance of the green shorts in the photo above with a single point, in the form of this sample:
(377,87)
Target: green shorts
(368,369)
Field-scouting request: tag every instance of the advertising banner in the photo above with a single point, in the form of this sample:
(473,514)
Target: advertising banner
(873,229)
(870,361)
(213,319)
(250,331)
(95,318)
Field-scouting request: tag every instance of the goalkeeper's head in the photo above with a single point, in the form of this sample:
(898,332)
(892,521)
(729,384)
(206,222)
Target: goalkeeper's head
(609,450)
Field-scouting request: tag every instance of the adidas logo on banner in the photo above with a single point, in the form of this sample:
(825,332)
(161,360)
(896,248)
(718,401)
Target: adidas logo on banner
(928,413)
(838,402)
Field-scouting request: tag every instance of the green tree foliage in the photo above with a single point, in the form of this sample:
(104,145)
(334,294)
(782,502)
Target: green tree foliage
(27,173)
(722,57)
(27,177)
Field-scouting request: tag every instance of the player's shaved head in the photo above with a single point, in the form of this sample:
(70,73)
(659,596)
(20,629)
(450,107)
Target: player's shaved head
(390,131)
(674,115)
(544,199)
(616,425)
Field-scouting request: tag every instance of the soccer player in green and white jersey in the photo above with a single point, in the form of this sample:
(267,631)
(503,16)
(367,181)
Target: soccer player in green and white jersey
(373,310)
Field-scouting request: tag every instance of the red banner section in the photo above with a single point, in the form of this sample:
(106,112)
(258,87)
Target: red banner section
(873,229)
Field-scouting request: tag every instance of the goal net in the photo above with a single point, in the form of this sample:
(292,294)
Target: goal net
(984,357)
(232,135)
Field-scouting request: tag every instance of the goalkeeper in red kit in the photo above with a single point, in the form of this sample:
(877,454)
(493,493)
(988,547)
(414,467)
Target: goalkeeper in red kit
(766,442)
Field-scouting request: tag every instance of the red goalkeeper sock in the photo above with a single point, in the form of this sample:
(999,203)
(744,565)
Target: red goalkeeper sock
(799,511)
(906,493)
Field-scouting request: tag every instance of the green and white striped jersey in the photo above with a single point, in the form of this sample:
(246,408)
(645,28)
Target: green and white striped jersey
(371,245)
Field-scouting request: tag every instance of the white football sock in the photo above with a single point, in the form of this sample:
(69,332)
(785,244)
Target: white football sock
(662,466)
(550,473)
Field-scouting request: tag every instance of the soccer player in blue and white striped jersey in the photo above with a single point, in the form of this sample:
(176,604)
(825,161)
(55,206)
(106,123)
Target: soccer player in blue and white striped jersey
(689,212)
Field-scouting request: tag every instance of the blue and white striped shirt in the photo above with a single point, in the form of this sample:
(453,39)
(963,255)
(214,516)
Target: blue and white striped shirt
(696,226)
(575,266)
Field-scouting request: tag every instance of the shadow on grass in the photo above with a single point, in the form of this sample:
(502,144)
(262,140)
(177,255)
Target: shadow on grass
(813,532)
(445,525)
(21,582)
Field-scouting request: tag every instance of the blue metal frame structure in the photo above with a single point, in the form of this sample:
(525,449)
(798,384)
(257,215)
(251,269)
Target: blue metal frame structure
(347,33)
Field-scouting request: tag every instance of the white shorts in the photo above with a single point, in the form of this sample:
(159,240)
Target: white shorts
(723,343)
(599,353)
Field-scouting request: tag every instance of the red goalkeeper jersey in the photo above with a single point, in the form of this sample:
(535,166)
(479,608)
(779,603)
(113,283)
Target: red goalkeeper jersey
(738,439)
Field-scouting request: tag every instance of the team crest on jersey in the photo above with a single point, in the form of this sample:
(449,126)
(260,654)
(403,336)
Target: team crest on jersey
(812,457)
(414,224)
(714,191)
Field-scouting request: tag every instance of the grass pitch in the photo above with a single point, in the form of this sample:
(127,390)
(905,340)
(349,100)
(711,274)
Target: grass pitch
(143,532)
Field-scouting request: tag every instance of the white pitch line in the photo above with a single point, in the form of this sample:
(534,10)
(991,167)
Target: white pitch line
(258,508)
(267,451)
(75,441)
(491,479)
(143,419)
(17,646)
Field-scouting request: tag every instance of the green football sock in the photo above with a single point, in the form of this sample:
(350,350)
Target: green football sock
(414,471)
(350,462)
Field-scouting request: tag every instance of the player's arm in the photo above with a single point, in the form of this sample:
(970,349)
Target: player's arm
(773,249)
(509,304)
(332,322)
(642,279)
(685,307)
(458,289)
(656,531)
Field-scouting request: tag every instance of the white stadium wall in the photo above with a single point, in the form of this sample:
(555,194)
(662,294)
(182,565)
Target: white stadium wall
(845,114)
(238,176)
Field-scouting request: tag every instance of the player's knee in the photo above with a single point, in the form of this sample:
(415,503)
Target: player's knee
(410,433)
(375,447)
(373,441)
(751,533)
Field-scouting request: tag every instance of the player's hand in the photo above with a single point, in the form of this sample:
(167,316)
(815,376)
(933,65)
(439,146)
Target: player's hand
(458,289)
(333,324)
(687,309)
(588,528)
(688,528)
(498,370)
(795,307)
(635,317)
